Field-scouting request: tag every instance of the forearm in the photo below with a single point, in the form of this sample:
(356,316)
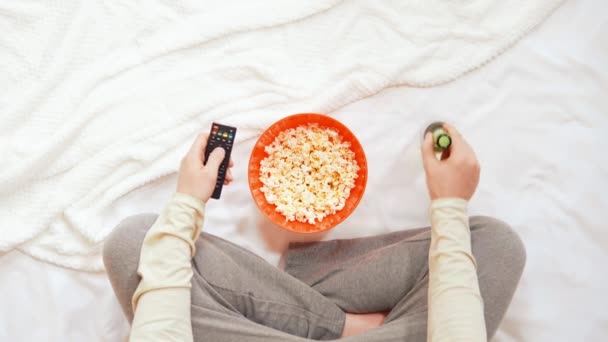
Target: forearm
(162,300)
(455,303)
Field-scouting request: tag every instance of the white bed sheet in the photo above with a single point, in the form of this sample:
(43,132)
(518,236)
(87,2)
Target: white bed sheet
(535,117)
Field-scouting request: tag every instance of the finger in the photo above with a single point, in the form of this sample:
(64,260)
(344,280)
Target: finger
(229,176)
(215,159)
(196,150)
(452,131)
(428,151)
(231,163)
(459,147)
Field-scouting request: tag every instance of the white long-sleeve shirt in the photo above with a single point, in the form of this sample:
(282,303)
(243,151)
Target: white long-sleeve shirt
(162,300)
(455,303)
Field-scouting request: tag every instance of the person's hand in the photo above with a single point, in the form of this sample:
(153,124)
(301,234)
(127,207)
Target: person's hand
(197,178)
(457,174)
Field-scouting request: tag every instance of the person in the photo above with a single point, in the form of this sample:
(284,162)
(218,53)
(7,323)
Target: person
(450,282)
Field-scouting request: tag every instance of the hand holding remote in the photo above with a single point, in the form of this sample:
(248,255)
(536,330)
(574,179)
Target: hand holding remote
(197,177)
(455,176)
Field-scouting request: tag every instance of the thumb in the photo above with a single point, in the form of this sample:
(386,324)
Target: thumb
(428,151)
(215,159)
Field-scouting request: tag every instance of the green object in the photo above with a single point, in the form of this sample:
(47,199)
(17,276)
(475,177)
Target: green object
(441,138)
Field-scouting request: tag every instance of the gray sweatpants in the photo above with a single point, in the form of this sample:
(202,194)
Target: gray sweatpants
(237,296)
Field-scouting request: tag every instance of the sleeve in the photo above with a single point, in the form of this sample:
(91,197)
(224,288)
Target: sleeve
(455,303)
(161,302)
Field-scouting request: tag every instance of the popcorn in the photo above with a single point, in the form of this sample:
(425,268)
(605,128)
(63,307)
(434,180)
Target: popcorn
(308,173)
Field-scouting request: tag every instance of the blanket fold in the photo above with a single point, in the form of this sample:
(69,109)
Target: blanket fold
(99,98)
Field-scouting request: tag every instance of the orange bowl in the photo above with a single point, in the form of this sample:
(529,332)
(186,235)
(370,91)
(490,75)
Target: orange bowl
(258,154)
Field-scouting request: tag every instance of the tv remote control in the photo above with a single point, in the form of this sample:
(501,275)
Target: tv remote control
(220,136)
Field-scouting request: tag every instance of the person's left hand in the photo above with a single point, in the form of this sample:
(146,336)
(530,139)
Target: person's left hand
(197,178)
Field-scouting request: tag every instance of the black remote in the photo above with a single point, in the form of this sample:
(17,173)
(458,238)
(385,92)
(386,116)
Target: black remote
(220,136)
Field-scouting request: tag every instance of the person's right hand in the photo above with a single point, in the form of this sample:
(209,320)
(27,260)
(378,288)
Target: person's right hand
(197,177)
(454,176)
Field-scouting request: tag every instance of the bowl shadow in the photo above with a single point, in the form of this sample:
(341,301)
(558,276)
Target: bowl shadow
(278,239)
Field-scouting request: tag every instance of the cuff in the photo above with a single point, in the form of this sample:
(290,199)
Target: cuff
(457,203)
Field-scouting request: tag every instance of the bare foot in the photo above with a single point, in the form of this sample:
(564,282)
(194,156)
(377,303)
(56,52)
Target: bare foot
(356,324)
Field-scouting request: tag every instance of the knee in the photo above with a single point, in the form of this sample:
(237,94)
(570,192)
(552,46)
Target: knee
(124,243)
(500,241)
(121,257)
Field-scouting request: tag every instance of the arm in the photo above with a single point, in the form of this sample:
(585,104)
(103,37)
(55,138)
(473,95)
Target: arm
(455,303)
(161,302)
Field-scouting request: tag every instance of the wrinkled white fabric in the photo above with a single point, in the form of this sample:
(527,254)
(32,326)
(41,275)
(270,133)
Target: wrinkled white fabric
(551,86)
(98,97)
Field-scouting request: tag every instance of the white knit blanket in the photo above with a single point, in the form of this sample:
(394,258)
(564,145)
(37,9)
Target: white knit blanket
(97,98)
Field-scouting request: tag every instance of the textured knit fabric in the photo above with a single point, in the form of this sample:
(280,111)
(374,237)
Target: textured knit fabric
(238,296)
(101,97)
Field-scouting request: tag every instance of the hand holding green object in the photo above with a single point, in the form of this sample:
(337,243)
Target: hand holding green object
(455,175)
